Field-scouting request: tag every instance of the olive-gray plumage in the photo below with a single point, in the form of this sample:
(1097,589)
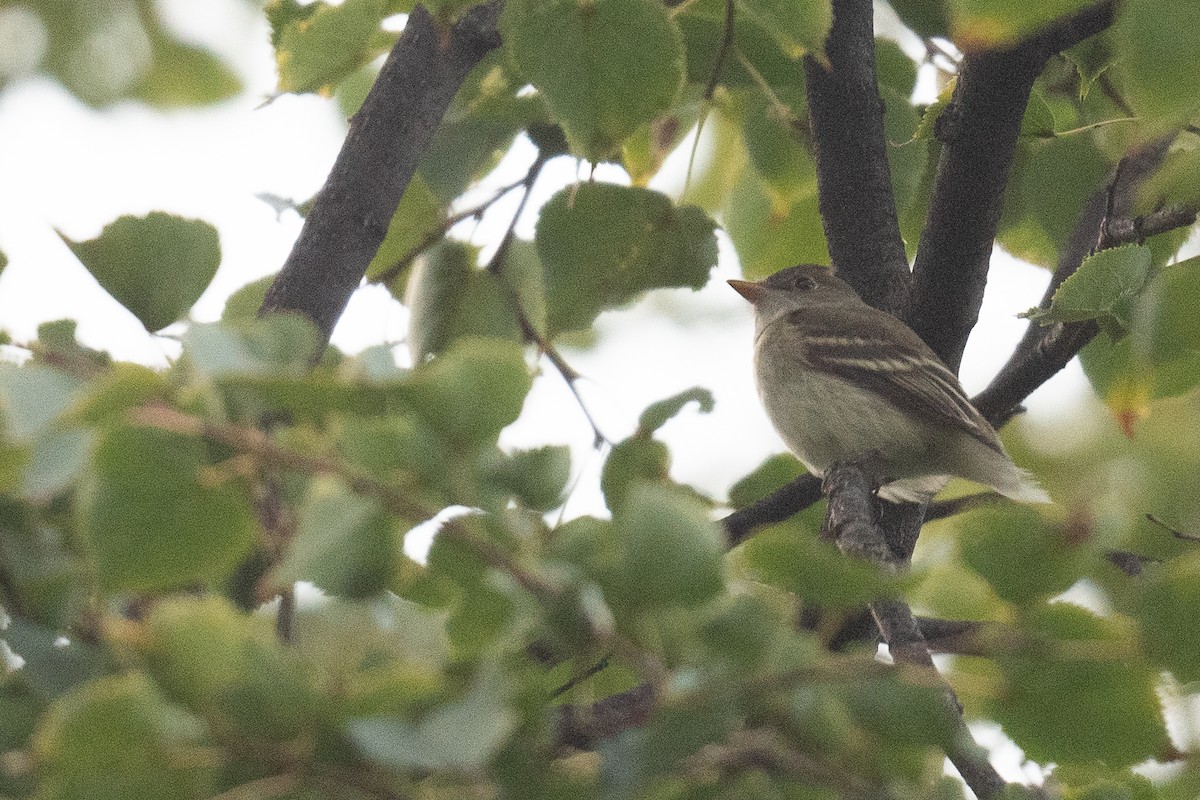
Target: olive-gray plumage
(841,381)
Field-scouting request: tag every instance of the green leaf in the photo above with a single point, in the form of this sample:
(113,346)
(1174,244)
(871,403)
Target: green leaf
(924,17)
(771,474)
(601,245)
(1022,556)
(1166,610)
(897,72)
(281,344)
(995,24)
(703,26)
(791,557)
(451,299)
(635,460)
(343,543)
(779,155)
(535,477)
(330,42)
(55,461)
(1161,356)
(229,668)
(418,216)
(463,734)
(246,301)
(1156,52)
(658,414)
(670,551)
(1175,183)
(156,266)
(1081,693)
(1052,180)
(769,238)
(473,390)
(151,520)
(798,27)
(118,739)
(183,75)
(32,397)
(1101,289)
(605,67)
(52,667)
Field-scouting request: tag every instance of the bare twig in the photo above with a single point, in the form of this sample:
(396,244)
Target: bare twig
(1178,534)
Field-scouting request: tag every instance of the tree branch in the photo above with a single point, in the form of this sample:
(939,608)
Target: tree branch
(978,131)
(858,211)
(388,136)
(775,507)
(850,521)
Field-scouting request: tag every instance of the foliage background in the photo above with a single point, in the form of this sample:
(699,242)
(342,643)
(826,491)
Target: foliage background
(434,692)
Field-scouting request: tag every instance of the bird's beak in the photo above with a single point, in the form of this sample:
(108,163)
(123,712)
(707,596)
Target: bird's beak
(748,289)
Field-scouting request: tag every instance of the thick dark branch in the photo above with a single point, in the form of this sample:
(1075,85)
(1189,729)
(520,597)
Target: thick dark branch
(775,507)
(851,522)
(388,136)
(585,727)
(1044,350)
(979,133)
(854,181)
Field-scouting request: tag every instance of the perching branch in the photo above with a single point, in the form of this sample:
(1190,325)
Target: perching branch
(858,211)
(978,131)
(388,136)
(851,523)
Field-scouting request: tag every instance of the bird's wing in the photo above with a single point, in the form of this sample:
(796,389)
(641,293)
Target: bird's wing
(881,354)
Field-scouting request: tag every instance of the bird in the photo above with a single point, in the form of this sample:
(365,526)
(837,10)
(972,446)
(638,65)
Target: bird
(843,382)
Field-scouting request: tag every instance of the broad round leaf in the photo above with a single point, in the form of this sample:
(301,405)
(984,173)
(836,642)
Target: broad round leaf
(152,521)
(156,266)
(605,66)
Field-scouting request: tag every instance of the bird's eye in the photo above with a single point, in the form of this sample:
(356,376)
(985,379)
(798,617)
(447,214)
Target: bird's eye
(803,284)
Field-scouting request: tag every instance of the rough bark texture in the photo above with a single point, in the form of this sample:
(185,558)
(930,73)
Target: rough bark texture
(388,137)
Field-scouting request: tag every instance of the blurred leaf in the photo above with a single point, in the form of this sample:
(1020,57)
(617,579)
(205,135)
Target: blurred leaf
(632,461)
(117,739)
(771,474)
(601,245)
(670,551)
(799,27)
(1157,54)
(658,414)
(1175,183)
(1166,611)
(1101,289)
(473,390)
(1081,692)
(605,68)
(228,667)
(343,543)
(768,238)
(53,666)
(907,164)
(791,557)
(156,266)
(244,303)
(183,75)
(995,24)
(324,46)
(1052,180)
(1023,557)
(897,72)
(924,17)
(535,477)
(462,734)
(55,462)
(475,132)
(32,397)
(281,344)
(780,154)
(1038,119)
(451,299)
(151,520)
(418,216)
